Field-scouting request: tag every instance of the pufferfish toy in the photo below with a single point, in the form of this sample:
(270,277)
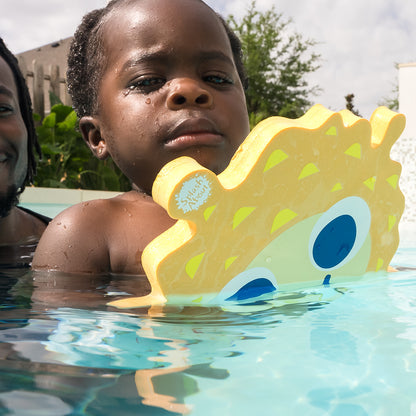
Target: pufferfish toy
(303,201)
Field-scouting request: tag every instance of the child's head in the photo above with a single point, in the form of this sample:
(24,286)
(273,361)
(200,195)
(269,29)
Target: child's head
(152,80)
(17,130)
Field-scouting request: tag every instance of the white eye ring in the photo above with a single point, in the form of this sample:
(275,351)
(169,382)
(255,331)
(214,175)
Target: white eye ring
(358,210)
(242,279)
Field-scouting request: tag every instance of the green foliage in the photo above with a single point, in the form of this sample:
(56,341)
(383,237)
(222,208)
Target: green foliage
(67,162)
(277,62)
(392,102)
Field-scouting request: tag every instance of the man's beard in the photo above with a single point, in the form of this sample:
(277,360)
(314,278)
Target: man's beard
(8,200)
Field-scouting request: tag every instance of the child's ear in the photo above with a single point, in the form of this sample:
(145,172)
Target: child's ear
(90,130)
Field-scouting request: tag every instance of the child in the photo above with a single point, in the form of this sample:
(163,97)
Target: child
(20,229)
(151,80)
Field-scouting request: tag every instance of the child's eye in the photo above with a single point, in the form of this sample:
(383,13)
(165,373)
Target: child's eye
(147,84)
(218,79)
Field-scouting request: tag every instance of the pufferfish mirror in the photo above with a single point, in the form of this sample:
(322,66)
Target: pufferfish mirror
(303,201)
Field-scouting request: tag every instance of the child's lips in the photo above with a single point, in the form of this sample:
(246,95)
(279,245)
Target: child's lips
(201,138)
(193,133)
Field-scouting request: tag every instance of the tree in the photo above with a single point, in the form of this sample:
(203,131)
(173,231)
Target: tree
(392,102)
(349,104)
(277,62)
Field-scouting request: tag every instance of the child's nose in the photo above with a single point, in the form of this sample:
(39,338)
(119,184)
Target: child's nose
(188,92)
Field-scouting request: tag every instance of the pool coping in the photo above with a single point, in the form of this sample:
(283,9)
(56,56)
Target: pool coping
(62,196)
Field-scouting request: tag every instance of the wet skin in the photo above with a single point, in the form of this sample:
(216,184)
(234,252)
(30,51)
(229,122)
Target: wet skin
(13,133)
(169,88)
(18,230)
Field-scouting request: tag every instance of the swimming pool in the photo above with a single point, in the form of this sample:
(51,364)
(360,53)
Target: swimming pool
(50,210)
(345,349)
(338,349)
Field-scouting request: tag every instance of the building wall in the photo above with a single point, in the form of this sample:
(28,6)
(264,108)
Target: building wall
(51,54)
(48,55)
(404,150)
(407,97)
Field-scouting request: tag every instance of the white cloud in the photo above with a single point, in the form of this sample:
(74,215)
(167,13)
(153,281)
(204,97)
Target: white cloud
(360,40)
(27,24)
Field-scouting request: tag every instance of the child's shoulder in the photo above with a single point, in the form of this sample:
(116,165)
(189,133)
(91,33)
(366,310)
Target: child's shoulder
(87,211)
(96,216)
(96,235)
(76,239)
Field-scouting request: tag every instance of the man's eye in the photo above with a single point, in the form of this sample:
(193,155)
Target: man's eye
(147,84)
(218,80)
(6,109)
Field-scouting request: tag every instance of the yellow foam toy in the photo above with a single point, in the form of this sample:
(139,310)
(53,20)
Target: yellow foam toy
(304,200)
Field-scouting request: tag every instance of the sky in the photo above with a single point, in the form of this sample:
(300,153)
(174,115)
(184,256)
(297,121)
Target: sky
(360,41)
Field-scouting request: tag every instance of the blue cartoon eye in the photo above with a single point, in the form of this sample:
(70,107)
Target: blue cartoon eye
(253,289)
(248,285)
(339,233)
(334,242)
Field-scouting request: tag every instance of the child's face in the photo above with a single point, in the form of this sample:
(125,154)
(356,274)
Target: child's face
(170,88)
(13,134)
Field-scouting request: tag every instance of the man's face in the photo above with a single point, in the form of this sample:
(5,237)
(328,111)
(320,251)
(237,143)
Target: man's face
(13,140)
(170,88)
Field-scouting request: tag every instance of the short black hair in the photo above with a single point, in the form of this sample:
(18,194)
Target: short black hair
(25,104)
(86,58)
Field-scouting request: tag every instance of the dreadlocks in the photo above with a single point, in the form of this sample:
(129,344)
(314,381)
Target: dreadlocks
(86,60)
(25,104)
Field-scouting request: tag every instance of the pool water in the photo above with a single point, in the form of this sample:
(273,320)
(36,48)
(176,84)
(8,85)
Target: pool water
(339,349)
(49,209)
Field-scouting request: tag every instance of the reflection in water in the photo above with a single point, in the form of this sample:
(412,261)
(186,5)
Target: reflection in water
(79,359)
(322,350)
(18,255)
